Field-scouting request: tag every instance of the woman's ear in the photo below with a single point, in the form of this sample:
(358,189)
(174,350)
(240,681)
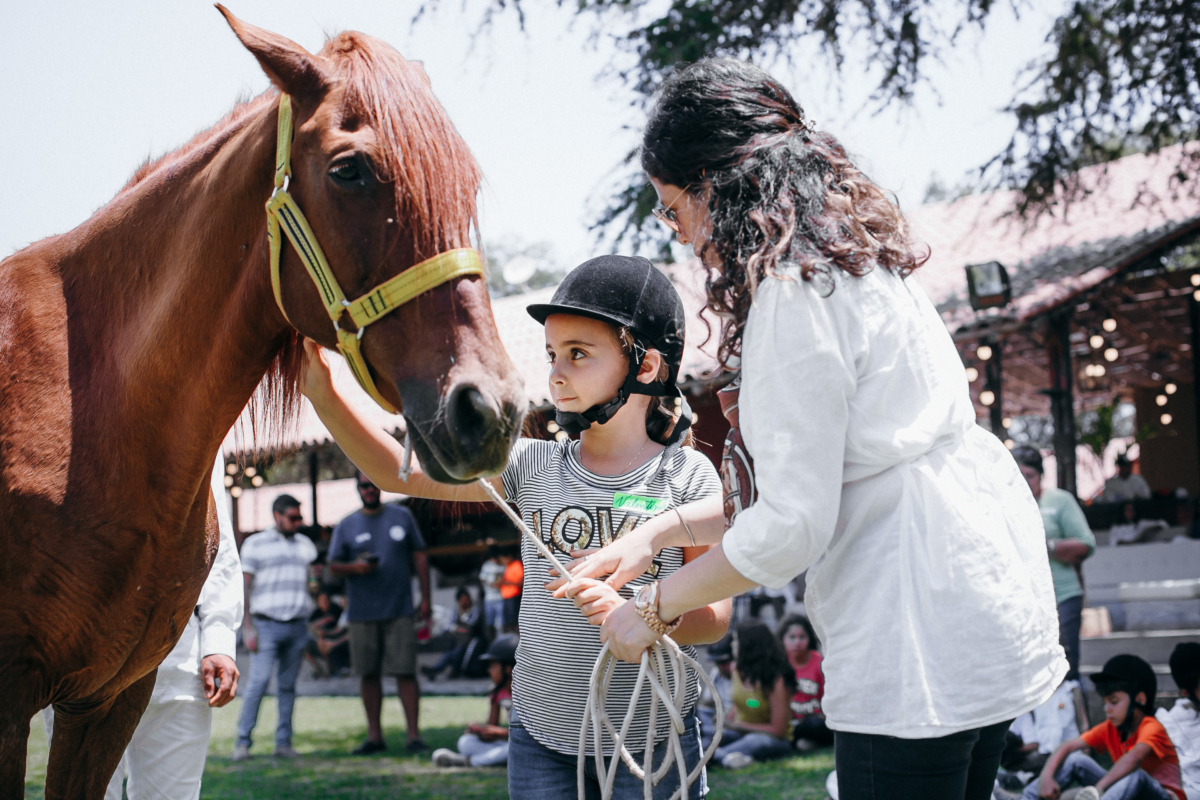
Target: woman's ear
(651,365)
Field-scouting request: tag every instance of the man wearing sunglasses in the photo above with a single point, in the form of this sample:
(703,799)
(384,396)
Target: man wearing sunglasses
(377,549)
(275,563)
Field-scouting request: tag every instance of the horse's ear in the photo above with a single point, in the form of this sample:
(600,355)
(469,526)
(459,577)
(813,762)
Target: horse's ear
(289,66)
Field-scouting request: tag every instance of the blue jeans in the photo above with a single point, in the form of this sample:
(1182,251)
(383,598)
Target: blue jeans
(1081,769)
(535,772)
(493,614)
(481,753)
(277,641)
(759,746)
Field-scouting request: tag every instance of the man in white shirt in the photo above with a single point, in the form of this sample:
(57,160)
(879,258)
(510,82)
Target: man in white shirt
(1125,485)
(165,758)
(1041,731)
(1182,721)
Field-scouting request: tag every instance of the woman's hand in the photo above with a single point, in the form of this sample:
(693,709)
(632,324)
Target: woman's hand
(622,561)
(627,634)
(316,379)
(596,599)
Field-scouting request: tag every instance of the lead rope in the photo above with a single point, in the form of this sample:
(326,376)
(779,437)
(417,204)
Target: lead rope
(661,663)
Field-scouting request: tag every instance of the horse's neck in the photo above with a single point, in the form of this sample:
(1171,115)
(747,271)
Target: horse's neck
(169,299)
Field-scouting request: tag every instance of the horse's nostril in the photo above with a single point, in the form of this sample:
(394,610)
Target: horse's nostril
(469,416)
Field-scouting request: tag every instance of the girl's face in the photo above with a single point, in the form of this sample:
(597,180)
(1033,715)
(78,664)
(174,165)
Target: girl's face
(691,214)
(795,641)
(587,365)
(496,672)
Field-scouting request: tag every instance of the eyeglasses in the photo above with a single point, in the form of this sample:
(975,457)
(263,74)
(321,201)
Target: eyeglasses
(293,517)
(666,214)
(362,487)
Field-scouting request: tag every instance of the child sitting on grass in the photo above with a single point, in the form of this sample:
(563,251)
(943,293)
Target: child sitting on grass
(763,684)
(486,744)
(1183,720)
(801,645)
(1145,766)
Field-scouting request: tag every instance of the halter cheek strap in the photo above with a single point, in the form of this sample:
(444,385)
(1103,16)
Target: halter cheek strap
(282,212)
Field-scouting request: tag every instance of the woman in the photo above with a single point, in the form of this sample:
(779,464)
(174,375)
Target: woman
(927,575)
(759,719)
(800,643)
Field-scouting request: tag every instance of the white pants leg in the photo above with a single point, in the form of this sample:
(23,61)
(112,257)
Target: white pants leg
(166,755)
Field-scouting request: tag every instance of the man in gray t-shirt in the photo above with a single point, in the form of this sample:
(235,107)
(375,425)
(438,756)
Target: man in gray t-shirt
(377,549)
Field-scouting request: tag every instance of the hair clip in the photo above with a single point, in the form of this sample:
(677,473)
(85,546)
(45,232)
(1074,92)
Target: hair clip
(809,125)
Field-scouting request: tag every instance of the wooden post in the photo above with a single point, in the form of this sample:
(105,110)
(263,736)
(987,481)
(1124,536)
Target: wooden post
(313,470)
(993,381)
(1062,395)
(1194,319)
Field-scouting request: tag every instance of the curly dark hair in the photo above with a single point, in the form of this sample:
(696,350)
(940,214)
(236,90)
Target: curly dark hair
(761,659)
(777,191)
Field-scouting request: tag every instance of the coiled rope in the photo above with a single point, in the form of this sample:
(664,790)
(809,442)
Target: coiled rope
(660,663)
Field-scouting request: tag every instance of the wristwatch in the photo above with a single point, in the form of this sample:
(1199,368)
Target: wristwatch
(646,603)
(1051,546)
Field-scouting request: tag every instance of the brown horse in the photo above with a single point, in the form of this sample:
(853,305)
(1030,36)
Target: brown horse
(129,346)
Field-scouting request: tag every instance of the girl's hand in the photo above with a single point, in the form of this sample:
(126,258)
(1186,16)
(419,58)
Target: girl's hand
(595,599)
(622,561)
(316,379)
(627,634)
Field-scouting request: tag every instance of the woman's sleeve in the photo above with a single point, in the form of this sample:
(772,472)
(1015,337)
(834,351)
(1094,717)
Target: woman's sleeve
(798,375)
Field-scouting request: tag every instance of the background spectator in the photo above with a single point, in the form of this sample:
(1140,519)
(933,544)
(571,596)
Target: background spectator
(377,549)
(1069,541)
(493,602)
(468,628)
(486,744)
(800,643)
(721,654)
(1182,721)
(510,590)
(276,567)
(1125,485)
(329,642)
(1034,736)
(763,683)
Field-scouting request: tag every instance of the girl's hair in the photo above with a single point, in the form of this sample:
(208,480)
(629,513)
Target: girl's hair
(660,413)
(777,190)
(792,621)
(761,659)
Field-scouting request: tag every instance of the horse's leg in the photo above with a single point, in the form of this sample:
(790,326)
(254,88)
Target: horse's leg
(87,746)
(14,739)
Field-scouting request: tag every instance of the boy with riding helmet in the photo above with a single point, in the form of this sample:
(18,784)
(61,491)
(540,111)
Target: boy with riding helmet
(1145,766)
(614,338)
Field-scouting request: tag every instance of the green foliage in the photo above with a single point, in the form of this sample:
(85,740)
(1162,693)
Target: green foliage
(1099,426)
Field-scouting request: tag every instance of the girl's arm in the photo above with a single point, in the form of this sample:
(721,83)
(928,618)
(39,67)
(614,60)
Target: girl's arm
(781,712)
(372,450)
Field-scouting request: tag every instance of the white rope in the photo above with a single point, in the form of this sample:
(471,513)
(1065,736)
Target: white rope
(664,664)
(406,464)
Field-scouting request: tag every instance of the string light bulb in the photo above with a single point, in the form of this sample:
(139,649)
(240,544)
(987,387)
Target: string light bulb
(235,492)
(257,480)
(552,426)
(1161,400)
(1010,444)
(1111,354)
(1109,325)
(1006,422)
(1170,388)
(231,469)
(984,352)
(1097,341)
(251,472)
(972,374)
(1166,419)
(987,397)
(228,481)
(1196,279)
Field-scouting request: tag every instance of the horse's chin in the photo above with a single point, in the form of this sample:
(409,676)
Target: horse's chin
(431,464)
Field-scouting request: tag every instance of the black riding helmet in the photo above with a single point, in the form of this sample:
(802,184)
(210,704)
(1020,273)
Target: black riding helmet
(1129,674)
(630,293)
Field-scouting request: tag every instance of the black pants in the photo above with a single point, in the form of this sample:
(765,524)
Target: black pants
(1070,617)
(961,766)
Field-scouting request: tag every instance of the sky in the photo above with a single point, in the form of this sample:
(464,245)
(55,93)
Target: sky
(90,90)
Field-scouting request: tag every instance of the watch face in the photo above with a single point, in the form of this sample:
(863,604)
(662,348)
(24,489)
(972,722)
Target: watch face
(642,599)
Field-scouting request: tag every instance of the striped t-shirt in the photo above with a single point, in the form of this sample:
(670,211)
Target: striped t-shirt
(279,565)
(570,508)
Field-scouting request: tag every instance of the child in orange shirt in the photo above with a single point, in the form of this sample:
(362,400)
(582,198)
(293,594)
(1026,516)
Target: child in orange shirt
(1145,766)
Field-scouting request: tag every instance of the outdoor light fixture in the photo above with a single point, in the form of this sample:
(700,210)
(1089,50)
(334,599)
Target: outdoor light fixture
(987,397)
(1094,370)
(988,285)
(972,374)
(1097,341)
(1196,279)
(1111,354)
(552,426)
(1166,419)
(1170,388)
(235,492)
(228,481)
(251,472)
(984,352)
(231,469)
(1196,295)
(561,436)
(1006,422)
(257,480)
(1109,325)
(1010,444)
(1161,400)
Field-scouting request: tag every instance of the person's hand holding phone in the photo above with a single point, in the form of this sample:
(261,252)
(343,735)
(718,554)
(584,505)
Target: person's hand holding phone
(367,563)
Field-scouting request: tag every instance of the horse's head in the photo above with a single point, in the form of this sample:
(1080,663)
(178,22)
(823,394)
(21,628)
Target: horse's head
(386,182)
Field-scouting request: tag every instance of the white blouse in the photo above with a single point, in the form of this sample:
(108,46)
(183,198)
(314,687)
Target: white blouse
(928,580)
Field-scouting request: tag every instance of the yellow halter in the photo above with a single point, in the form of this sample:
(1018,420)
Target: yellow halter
(372,306)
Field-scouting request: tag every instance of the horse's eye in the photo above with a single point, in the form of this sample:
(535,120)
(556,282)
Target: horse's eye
(346,171)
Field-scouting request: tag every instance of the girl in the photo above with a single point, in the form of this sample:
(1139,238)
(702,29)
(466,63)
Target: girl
(800,643)
(763,684)
(927,573)
(614,338)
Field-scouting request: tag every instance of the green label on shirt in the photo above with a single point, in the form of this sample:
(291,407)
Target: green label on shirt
(635,502)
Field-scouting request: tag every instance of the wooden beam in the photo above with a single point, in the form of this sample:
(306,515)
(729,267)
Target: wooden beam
(1062,396)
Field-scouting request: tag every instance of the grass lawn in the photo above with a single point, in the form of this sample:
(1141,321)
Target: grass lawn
(328,727)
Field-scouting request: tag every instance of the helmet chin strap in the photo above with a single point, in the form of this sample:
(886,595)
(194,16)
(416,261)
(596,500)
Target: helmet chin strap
(575,423)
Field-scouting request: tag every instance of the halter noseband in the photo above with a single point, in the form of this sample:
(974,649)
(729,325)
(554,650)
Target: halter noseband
(372,306)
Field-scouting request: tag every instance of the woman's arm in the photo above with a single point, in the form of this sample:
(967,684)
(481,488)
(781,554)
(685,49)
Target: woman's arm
(372,450)
(781,712)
